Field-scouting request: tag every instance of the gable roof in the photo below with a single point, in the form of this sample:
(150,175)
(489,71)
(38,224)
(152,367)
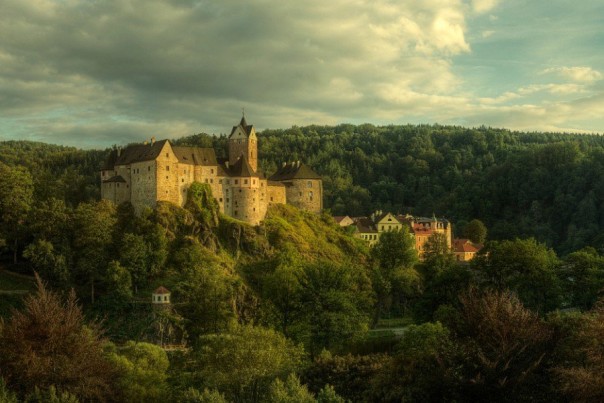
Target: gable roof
(134,153)
(195,155)
(364,225)
(465,245)
(294,170)
(243,124)
(241,168)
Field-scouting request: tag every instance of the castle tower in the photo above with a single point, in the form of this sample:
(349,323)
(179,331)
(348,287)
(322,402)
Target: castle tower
(243,143)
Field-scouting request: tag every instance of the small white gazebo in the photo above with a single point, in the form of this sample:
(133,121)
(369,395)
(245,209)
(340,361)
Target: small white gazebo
(161,296)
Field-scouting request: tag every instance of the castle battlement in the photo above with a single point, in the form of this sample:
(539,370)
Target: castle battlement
(144,174)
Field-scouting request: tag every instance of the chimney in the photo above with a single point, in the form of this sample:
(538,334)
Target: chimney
(152,140)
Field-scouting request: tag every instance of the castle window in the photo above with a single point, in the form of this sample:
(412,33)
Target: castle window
(254,208)
(309,184)
(211,171)
(206,180)
(211,180)
(183,180)
(167,155)
(245,181)
(228,181)
(167,167)
(239,190)
(220,200)
(300,193)
(220,181)
(227,199)
(166,176)
(261,184)
(236,181)
(149,168)
(253,181)
(103,173)
(236,212)
(271,198)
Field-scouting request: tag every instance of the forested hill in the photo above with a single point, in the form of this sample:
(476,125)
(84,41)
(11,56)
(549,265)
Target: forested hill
(549,186)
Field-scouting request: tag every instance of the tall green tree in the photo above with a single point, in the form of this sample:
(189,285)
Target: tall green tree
(93,240)
(16,199)
(475,231)
(526,267)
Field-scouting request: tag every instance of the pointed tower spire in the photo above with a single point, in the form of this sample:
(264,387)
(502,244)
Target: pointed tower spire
(243,123)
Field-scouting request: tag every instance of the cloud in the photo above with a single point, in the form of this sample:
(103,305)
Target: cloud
(579,74)
(483,6)
(104,72)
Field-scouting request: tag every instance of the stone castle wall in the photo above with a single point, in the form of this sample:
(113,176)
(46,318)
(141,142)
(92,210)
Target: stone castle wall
(305,194)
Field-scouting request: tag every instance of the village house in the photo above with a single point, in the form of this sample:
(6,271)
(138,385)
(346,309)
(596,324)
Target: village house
(144,174)
(370,228)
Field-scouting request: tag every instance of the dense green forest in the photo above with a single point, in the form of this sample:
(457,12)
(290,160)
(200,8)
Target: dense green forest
(296,309)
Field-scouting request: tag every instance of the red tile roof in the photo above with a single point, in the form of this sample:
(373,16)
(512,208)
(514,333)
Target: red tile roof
(465,245)
(161,290)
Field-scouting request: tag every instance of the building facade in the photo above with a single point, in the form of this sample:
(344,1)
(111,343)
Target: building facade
(144,174)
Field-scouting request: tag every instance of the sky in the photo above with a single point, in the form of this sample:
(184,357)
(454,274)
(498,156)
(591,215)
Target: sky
(94,73)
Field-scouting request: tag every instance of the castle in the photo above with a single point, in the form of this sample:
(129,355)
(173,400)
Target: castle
(144,174)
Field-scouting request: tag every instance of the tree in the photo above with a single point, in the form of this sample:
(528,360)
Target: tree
(289,391)
(394,277)
(134,253)
(526,267)
(582,275)
(475,231)
(421,369)
(93,238)
(16,198)
(48,343)
(502,345)
(50,265)
(142,369)
(244,361)
(334,301)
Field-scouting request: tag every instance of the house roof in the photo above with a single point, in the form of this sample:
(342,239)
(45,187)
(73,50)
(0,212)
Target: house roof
(195,155)
(364,225)
(294,170)
(161,290)
(115,179)
(465,245)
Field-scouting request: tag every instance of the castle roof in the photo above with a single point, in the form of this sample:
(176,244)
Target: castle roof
(294,170)
(241,168)
(195,155)
(134,153)
(115,179)
(243,124)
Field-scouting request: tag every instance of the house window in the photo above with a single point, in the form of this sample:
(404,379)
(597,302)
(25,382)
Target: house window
(211,180)
(271,198)
(211,171)
(206,180)
(253,181)
(167,167)
(149,168)
(227,199)
(166,176)
(182,180)
(220,200)
(236,181)
(167,155)
(309,184)
(245,181)
(300,193)
(165,298)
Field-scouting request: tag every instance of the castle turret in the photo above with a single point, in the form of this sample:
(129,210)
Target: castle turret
(161,297)
(243,143)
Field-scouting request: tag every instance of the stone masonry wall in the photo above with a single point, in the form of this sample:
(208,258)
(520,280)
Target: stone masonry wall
(305,194)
